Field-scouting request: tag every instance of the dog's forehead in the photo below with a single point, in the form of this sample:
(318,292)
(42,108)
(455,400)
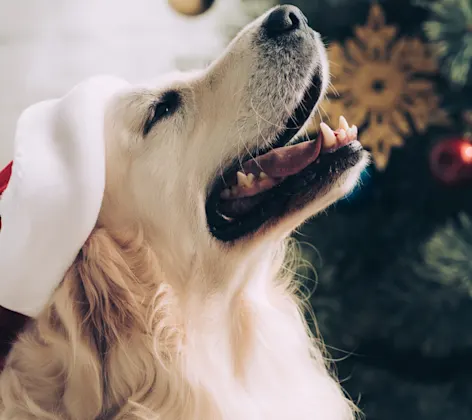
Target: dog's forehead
(173,80)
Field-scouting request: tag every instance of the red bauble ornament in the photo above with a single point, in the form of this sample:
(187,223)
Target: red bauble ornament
(451,161)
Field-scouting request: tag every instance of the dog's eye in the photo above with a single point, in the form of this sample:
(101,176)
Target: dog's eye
(161,109)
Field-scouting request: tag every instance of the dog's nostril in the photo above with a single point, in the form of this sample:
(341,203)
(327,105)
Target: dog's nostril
(295,21)
(284,19)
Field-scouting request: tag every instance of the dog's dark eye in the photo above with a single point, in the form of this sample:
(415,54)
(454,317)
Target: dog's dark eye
(164,108)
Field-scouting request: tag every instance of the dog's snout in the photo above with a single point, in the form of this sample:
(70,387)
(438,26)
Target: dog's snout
(284,19)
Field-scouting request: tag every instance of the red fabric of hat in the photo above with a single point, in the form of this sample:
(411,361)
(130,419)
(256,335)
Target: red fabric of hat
(11,322)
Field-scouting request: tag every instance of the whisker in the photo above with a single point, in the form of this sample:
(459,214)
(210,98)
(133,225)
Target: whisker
(263,119)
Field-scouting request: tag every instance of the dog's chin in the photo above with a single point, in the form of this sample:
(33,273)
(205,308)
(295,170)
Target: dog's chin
(310,201)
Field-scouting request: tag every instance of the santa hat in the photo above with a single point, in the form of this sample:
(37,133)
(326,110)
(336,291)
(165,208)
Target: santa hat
(52,192)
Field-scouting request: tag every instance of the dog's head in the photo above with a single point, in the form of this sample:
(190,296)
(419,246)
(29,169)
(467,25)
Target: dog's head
(175,147)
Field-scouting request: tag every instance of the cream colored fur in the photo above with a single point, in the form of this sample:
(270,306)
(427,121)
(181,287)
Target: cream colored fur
(156,319)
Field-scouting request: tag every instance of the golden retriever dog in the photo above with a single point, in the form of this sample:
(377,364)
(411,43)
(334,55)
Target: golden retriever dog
(179,305)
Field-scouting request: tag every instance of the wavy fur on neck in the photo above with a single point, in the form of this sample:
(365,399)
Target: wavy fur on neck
(114,343)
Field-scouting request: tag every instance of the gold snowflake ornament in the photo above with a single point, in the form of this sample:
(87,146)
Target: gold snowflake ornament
(381,86)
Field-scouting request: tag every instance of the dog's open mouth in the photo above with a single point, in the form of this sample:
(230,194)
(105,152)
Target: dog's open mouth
(270,183)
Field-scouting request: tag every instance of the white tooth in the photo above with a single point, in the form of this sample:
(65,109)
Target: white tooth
(250,179)
(226,193)
(242,180)
(351,134)
(342,134)
(355,130)
(329,138)
(343,123)
(263,176)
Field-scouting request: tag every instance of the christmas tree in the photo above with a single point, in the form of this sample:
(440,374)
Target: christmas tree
(449,29)
(393,295)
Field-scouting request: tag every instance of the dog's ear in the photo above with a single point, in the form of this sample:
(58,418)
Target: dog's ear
(109,287)
(115,302)
(112,284)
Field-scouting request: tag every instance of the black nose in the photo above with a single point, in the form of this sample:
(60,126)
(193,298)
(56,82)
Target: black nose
(284,19)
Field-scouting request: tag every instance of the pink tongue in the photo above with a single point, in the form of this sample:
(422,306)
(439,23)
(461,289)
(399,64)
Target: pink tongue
(285,161)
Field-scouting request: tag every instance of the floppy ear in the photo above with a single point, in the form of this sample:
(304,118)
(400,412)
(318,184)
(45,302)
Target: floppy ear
(111,285)
(115,301)
(54,192)
(97,310)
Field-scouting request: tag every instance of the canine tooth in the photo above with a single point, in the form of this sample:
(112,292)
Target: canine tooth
(226,193)
(342,134)
(329,138)
(263,176)
(242,180)
(343,123)
(250,179)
